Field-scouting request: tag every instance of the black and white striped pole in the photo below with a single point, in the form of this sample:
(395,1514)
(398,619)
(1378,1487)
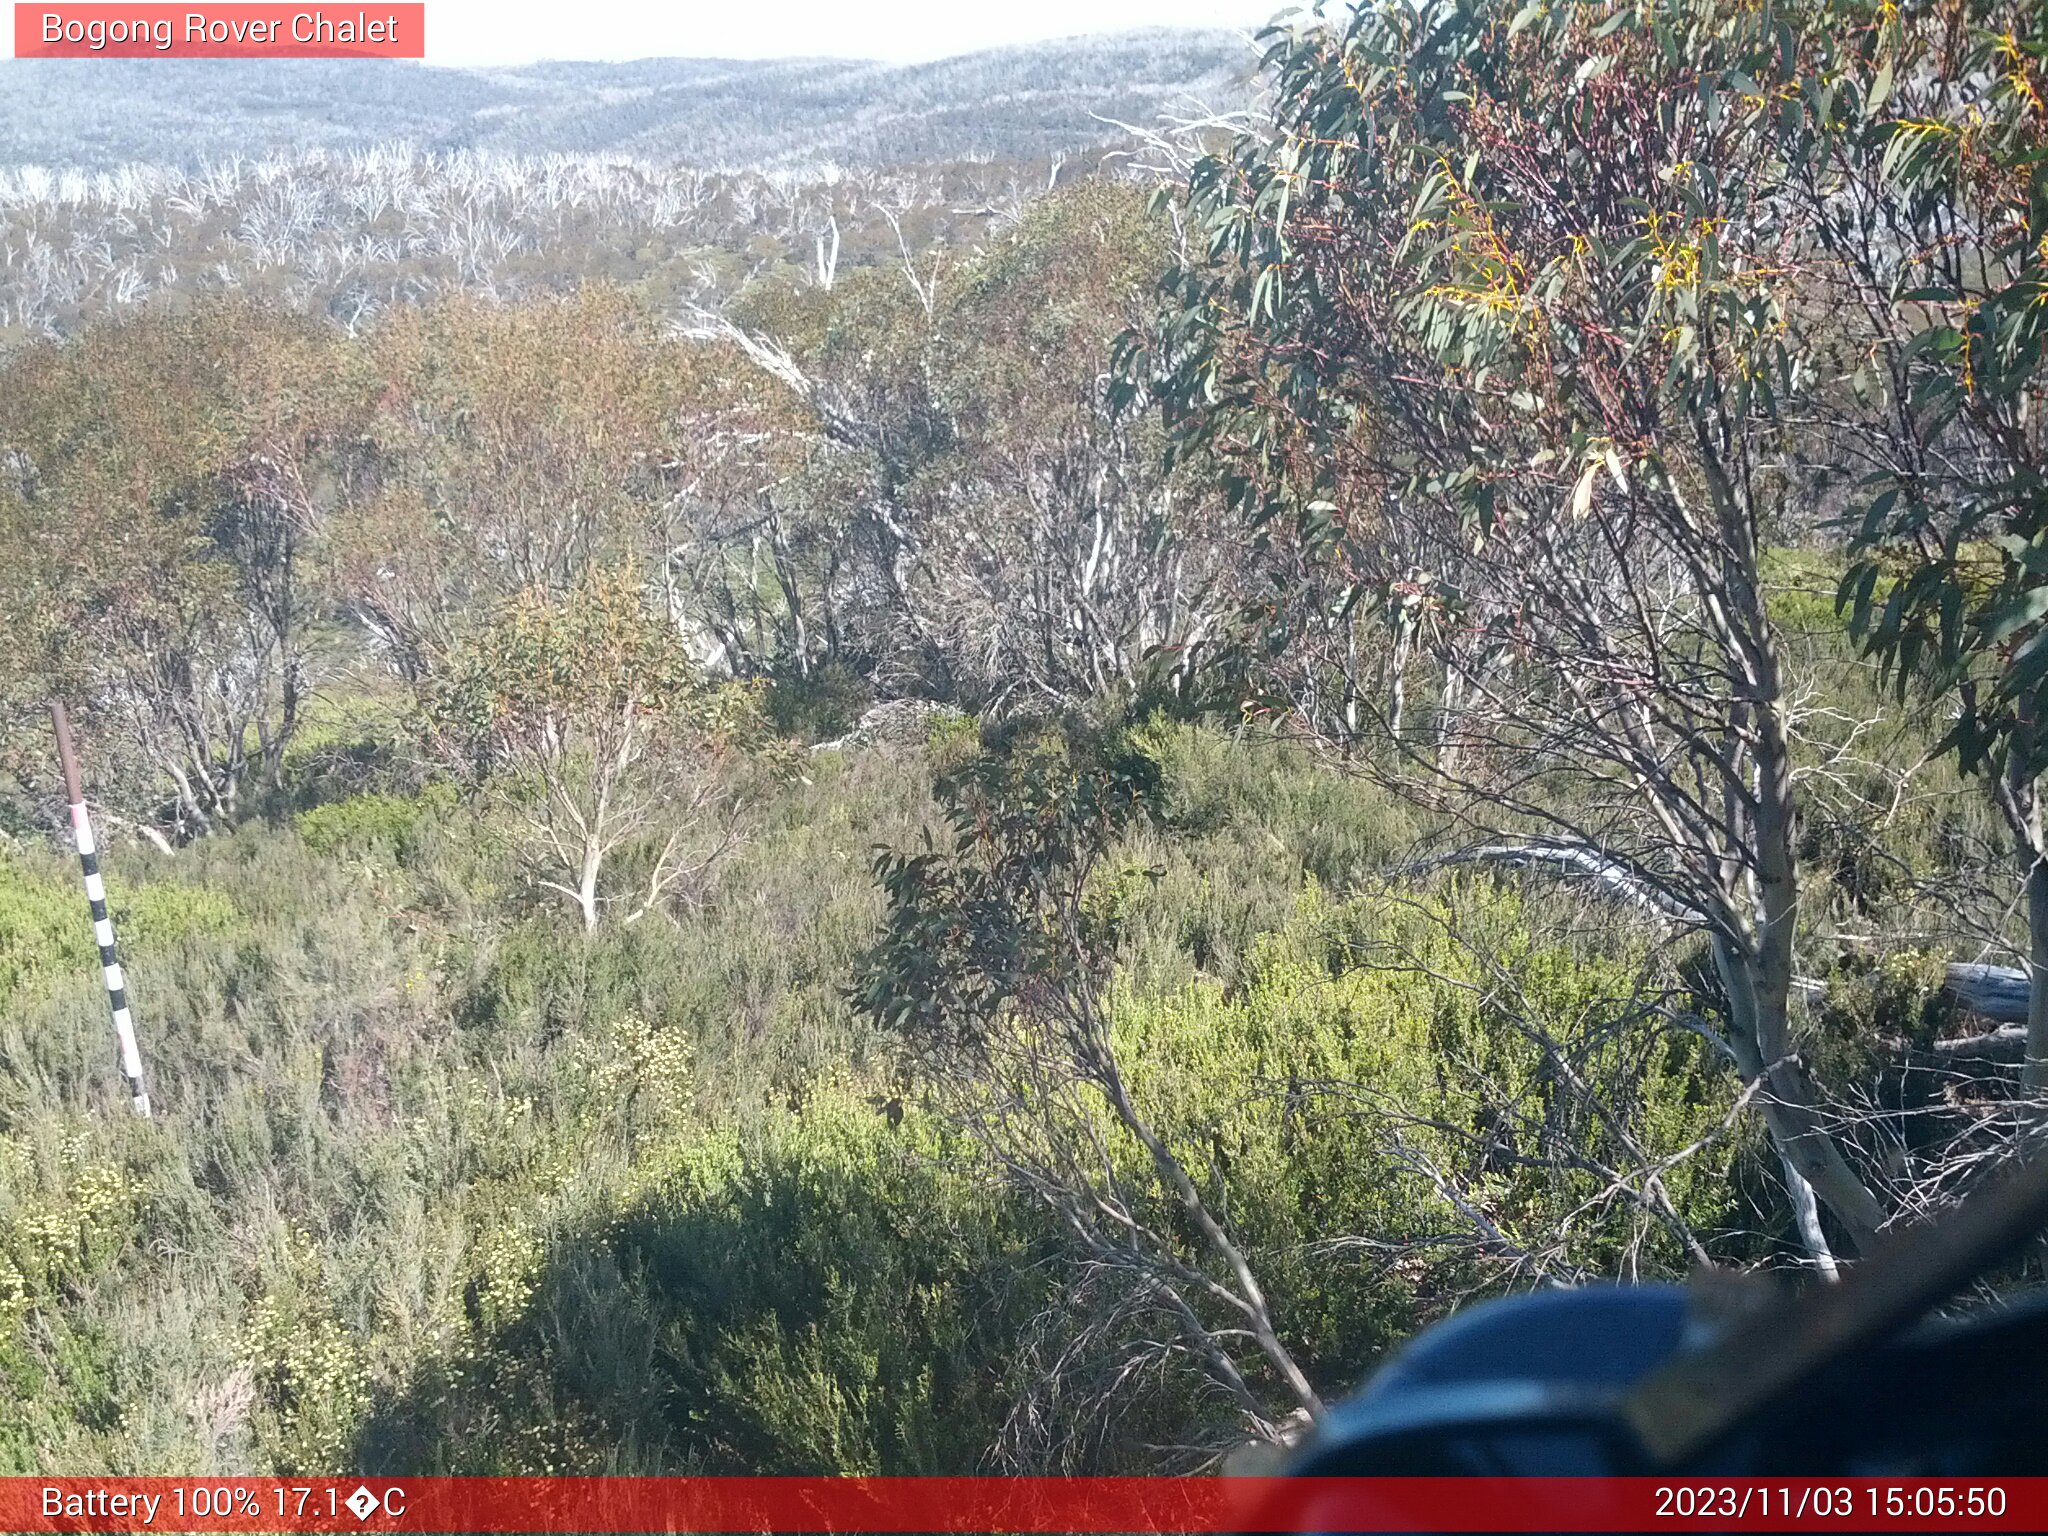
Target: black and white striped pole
(102,925)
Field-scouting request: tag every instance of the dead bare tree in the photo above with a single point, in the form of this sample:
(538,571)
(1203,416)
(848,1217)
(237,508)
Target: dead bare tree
(994,528)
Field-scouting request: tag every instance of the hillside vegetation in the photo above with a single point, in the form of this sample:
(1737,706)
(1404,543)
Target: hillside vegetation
(1022,840)
(802,115)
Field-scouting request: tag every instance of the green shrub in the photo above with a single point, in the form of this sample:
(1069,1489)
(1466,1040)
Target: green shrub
(834,1291)
(951,736)
(64,1215)
(43,926)
(1335,826)
(46,927)
(374,823)
(166,912)
(1800,590)
(1374,1038)
(307,1365)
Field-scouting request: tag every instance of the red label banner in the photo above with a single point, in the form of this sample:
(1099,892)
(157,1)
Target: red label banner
(234,31)
(1026,1505)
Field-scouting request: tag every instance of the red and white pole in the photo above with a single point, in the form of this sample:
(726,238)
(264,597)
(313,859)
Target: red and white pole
(102,925)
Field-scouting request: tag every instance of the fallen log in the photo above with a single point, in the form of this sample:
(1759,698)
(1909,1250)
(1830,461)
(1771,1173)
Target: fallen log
(1997,992)
(2007,1043)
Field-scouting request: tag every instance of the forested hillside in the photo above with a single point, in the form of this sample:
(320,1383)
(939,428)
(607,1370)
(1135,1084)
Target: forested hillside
(956,818)
(798,115)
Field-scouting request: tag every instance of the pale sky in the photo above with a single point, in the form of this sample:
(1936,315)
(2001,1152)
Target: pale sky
(520,31)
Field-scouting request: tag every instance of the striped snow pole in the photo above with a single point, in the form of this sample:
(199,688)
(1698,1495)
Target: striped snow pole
(102,925)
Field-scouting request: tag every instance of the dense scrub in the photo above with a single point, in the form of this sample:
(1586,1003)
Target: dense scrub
(438,1184)
(1027,851)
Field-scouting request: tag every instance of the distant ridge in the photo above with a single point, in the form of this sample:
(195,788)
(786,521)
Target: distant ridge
(784,114)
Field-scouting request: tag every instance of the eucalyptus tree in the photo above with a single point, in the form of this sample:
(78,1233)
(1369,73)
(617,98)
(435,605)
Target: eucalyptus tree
(521,448)
(1929,188)
(1497,331)
(580,714)
(161,496)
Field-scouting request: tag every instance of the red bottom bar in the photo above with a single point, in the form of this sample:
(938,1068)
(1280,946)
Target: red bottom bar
(602,1506)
